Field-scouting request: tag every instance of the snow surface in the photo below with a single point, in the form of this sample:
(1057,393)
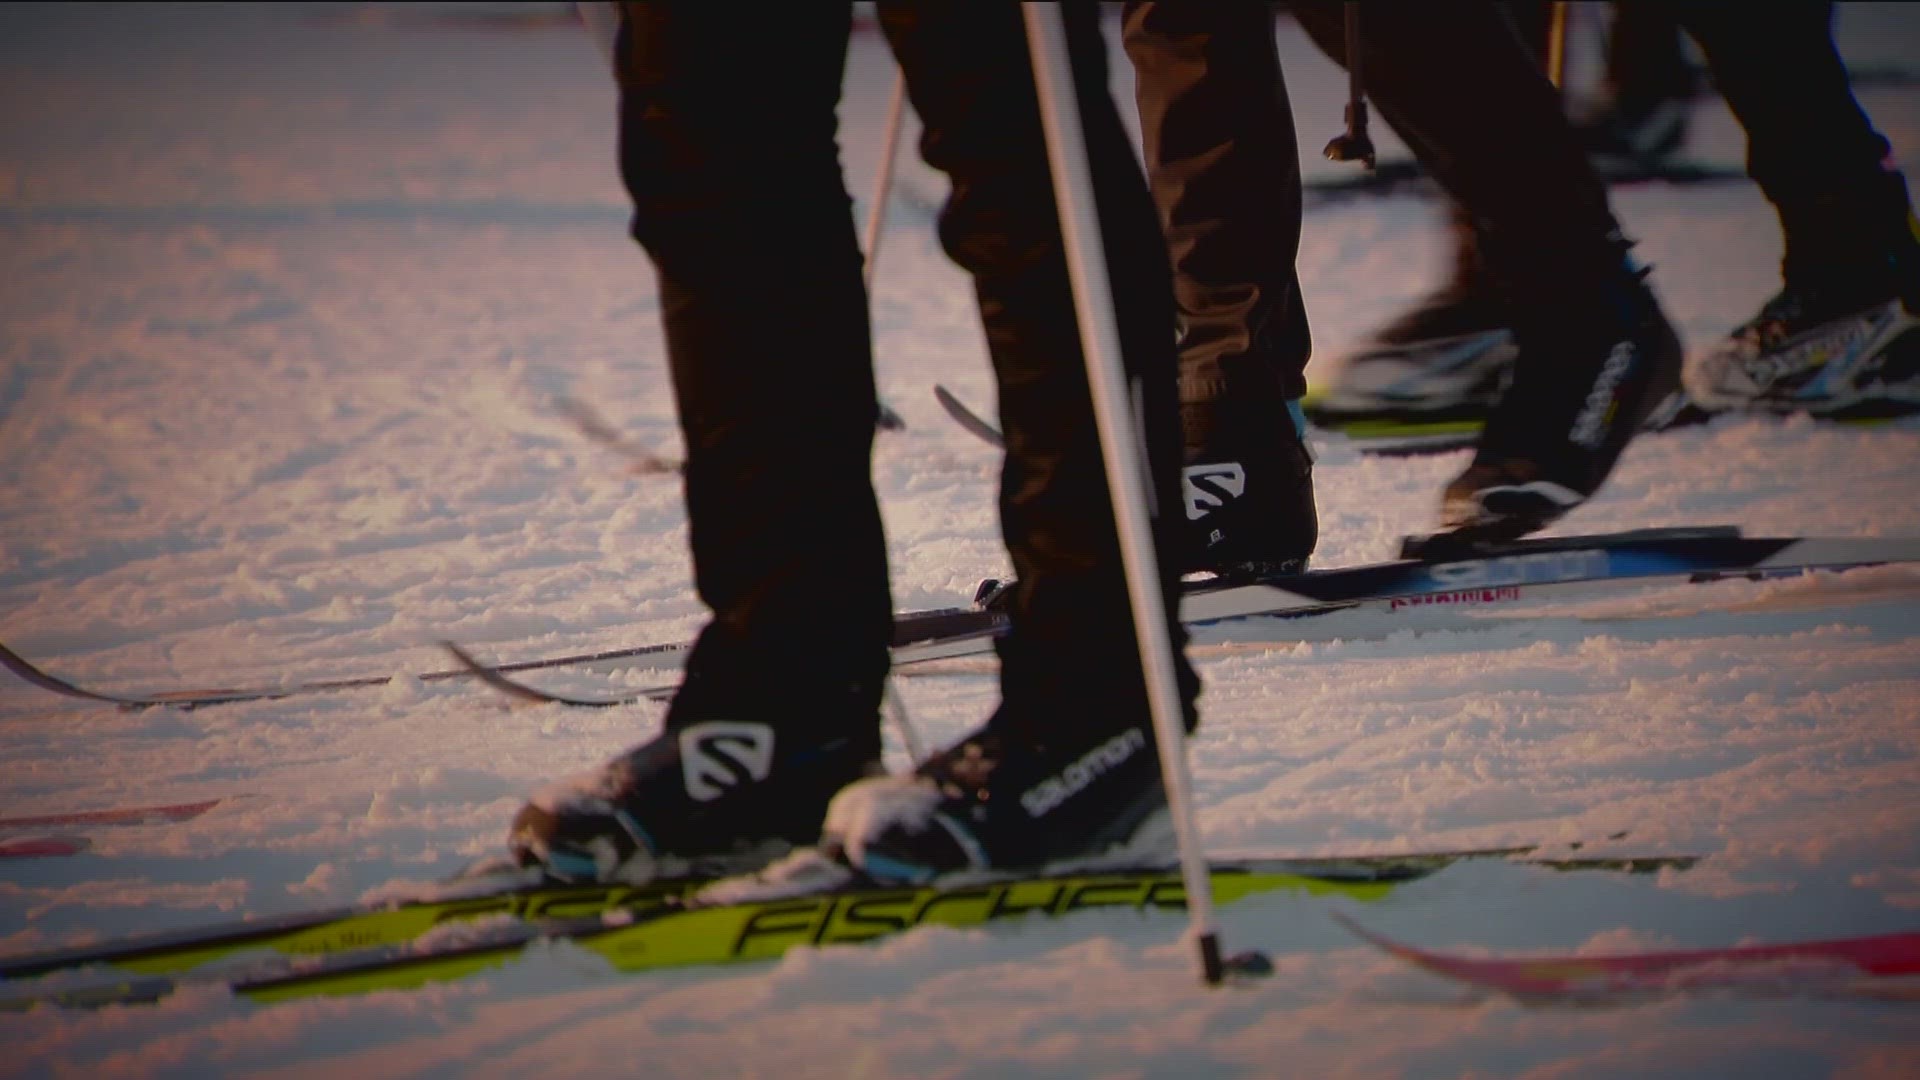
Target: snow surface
(290,299)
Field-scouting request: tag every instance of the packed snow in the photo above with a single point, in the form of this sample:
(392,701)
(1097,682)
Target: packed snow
(293,300)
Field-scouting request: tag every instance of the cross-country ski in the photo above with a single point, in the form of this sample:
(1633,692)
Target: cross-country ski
(1485,577)
(119,815)
(42,847)
(1811,968)
(668,924)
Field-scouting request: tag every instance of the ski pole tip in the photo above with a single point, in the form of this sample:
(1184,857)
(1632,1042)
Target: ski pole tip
(1249,964)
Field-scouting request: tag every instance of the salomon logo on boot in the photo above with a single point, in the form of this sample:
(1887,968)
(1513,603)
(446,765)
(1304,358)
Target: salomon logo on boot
(1597,415)
(720,755)
(1209,487)
(1042,798)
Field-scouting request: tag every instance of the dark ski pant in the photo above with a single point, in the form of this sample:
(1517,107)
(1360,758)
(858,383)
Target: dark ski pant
(728,150)
(1459,87)
(1218,136)
(1810,147)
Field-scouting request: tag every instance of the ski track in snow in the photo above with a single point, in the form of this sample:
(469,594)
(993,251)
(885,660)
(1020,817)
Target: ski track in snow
(291,295)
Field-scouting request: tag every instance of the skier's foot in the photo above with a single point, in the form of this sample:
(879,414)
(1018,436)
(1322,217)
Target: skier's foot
(979,808)
(1831,348)
(1584,383)
(704,798)
(997,801)
(1432,376)
(1248,499)
(1447,358)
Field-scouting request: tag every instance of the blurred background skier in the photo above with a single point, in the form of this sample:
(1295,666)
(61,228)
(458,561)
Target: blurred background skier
(1839,337)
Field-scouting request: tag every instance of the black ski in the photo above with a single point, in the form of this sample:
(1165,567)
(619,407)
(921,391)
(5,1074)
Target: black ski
(1429,575)
(910,628)
(968,419)
(202,697)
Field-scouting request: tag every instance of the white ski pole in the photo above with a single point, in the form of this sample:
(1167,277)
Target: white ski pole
(1120,445)
(883,181)
(877,212)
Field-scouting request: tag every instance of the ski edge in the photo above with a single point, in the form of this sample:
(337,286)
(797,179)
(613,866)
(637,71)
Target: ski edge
(493,677)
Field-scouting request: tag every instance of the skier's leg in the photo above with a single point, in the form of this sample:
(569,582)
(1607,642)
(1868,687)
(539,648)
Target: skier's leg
(1447,357)
(1223,164)
(728,151)
(1810,146)
(1596,355)
(1067,763)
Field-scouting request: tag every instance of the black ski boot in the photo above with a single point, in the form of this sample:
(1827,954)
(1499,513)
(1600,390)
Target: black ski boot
(1584,383)
(1247,497)
(996,802)
(703,799)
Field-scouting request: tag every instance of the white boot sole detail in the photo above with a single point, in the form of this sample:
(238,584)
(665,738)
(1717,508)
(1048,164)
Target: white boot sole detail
(1472,509)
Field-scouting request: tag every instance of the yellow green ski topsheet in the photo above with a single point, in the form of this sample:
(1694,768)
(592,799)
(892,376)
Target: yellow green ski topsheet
(670,936)
(642,928)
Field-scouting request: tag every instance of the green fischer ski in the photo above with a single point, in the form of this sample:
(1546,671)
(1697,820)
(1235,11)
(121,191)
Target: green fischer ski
(637,935)
(650,927)
(339,930)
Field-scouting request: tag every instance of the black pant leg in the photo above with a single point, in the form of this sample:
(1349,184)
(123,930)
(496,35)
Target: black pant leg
(1070,663)
(1462,90)
(1810,147)
(727,147)
(1224,167)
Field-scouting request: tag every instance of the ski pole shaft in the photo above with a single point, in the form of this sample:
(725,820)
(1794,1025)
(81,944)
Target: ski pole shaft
(877,216)
(1353,144)
(1120,444)
(883,181)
